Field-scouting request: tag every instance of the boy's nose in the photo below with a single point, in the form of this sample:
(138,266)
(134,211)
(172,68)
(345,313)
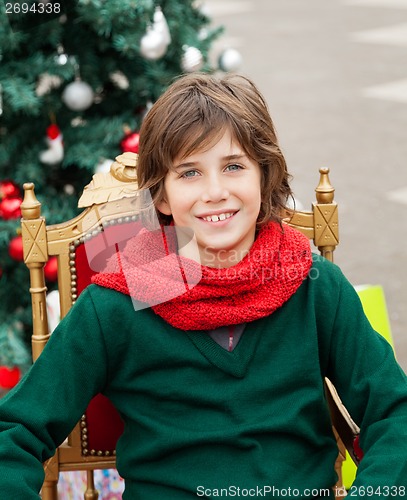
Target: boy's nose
(215,191)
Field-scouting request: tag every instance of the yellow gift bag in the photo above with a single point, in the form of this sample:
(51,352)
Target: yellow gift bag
(374,305)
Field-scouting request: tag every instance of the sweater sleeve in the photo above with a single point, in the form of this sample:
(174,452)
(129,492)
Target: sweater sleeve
(373,387)
(38,414)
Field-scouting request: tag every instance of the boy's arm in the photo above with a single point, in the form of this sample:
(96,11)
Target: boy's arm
(40,412)
(374,389)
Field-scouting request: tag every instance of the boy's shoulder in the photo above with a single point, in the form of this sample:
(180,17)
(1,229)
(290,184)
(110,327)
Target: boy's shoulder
(326,274)
(105,299)
(109,302)
(103,291)
(324,265)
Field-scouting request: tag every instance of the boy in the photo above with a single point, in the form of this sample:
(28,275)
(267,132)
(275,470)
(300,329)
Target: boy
(221,387)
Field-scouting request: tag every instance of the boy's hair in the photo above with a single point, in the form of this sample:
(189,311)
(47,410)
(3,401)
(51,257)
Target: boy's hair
(192,115)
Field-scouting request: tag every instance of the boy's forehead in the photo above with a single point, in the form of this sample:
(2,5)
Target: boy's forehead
(201,140)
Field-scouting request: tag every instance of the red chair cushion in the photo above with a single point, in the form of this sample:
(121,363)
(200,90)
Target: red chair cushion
(103,422)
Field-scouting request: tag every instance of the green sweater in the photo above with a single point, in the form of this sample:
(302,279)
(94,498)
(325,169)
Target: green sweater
(202,422)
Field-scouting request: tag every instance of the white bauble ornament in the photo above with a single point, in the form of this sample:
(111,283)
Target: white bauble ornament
(53,309)
(69,189)
(192,60)
(153,45)
(230,60)
(103,166)
(78,95)
(160,25)
(62,59)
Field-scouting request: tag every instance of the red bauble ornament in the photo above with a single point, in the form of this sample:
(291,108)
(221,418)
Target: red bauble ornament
(15,248)
(53,131)
(9,377)
(10,208)
(130,142)
(9,189)
(51,269)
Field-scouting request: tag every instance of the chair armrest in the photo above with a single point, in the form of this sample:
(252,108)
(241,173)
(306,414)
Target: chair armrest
(346,428)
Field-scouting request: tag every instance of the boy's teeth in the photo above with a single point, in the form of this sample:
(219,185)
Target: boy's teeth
(216,218)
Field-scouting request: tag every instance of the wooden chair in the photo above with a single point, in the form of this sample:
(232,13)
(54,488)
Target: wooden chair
(110,205)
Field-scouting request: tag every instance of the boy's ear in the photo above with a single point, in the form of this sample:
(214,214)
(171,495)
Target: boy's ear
(164,207)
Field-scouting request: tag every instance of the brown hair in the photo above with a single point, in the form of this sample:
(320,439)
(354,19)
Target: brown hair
(192,114)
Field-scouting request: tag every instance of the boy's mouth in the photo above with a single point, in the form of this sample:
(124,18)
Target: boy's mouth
(218,217)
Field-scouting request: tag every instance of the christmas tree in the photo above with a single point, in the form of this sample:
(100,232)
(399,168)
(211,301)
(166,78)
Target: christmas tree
(76,79)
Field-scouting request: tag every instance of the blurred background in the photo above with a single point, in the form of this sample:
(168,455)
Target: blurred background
(335,77)
(74,88)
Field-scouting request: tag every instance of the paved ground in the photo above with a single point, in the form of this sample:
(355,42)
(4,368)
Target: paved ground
(335,77)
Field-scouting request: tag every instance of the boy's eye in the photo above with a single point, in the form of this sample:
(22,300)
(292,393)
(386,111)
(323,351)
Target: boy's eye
(234,167)
(189,173)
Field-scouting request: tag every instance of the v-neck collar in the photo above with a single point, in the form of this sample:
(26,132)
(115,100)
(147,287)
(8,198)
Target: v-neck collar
(234,362)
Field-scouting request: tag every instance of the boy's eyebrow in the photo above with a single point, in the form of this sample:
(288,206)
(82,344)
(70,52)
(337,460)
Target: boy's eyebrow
(189,164)
(236,156)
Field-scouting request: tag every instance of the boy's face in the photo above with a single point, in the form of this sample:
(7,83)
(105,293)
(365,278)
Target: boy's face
(215,193)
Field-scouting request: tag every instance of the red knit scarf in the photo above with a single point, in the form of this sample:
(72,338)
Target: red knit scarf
(149,270)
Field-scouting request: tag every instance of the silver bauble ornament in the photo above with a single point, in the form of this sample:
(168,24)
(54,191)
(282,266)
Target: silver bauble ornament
(78,95)
(230,60)
(153,44)
(161,26)
(192,60)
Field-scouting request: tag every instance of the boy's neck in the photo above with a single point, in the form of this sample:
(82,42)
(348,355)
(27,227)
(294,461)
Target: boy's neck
(219,259)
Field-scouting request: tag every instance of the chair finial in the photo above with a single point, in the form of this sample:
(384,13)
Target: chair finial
(324,191)
(30,207)
(124,168)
